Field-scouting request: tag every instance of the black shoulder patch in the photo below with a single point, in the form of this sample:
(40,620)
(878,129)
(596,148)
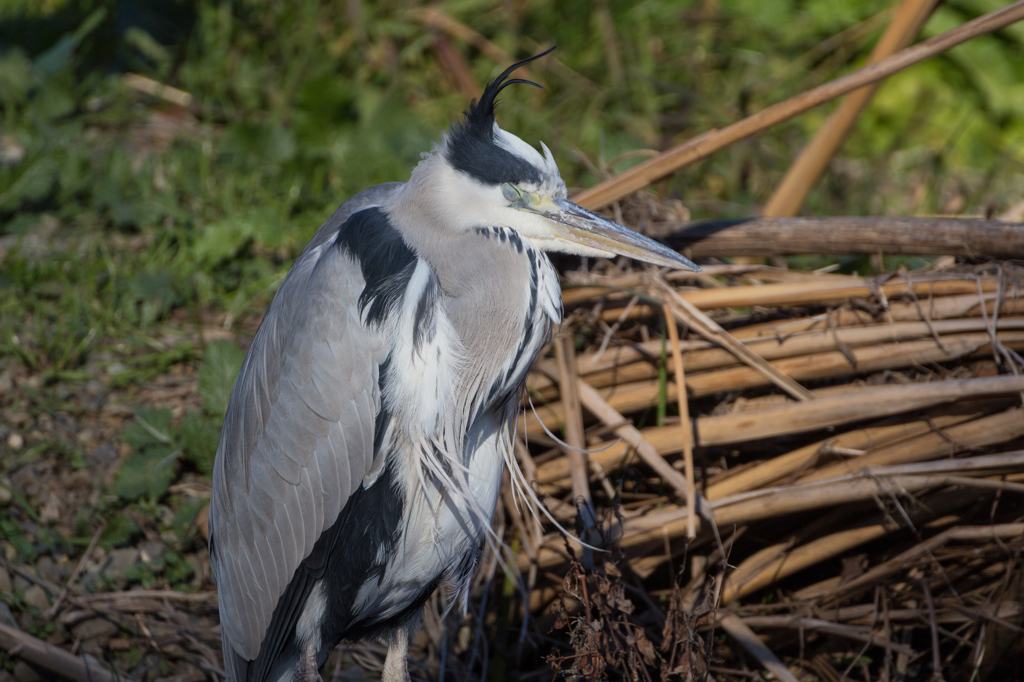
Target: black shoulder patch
(385,259)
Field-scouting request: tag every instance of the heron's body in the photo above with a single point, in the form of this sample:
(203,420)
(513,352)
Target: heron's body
(364,444)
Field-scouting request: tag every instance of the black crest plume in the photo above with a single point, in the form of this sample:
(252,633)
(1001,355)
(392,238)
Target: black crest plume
(471,148)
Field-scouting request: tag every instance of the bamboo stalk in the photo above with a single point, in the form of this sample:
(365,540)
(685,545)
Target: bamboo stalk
(804,294)
(927,310)
(575,453)
(789,196)
(940,473)
(686,313)
(856,361)
(685,425)
(1004,610)
(672,522)
(892,235)
(863,634)
(742,633)
(628,364)
(755,573)
(49,657)
(718,429)
(1006,531)
(592,400)
(594,286)
(978,433)
(664,164)
(859,439)
(869,403)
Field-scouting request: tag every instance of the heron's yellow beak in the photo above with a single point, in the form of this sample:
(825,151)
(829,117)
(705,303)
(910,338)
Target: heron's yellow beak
(590,229)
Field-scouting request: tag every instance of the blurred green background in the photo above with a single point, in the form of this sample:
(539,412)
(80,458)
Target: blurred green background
(123,213)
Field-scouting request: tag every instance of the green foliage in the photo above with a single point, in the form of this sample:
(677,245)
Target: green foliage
(124,218)
(175,569)
(152,467)
(12,531)
(158,445)
(120,530)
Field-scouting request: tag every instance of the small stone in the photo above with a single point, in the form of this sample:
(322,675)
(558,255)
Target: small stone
(6,587)
(26,481)
(52,571)
(50,512)
(94,628)
(119,561)
(36,597)
(58,636)
(18,419)
(151,551)
(20,584)
(15,441)
(104,454)
(80,479)
(5,495)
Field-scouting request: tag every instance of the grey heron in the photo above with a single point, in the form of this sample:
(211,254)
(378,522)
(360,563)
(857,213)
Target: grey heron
(364,443)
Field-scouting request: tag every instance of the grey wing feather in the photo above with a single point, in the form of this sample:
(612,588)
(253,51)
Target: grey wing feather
(298,434)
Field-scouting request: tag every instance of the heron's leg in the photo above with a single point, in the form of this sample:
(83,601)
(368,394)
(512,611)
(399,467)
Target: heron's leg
(396,665)
(305,669)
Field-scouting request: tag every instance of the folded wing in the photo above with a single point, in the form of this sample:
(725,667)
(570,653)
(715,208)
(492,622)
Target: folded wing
(298,434)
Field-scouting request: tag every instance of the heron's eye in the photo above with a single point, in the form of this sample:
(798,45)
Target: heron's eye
(511,192)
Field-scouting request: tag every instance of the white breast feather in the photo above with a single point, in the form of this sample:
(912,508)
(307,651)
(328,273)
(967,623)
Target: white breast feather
(422,380)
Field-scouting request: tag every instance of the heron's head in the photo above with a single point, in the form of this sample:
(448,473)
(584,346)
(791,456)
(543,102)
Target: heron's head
(483,176)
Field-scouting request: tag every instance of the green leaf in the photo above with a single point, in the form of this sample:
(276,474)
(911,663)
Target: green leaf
(152,426)
(59,56)
(149,472)
(221,362)
(176,569)
(120,530)
(32,185)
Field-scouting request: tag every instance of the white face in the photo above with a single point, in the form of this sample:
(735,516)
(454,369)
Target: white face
(537,210)
(465,203)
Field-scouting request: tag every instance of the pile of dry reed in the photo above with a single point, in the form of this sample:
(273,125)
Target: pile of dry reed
(839,491)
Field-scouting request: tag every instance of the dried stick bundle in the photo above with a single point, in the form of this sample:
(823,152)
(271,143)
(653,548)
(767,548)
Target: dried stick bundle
(846,432)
